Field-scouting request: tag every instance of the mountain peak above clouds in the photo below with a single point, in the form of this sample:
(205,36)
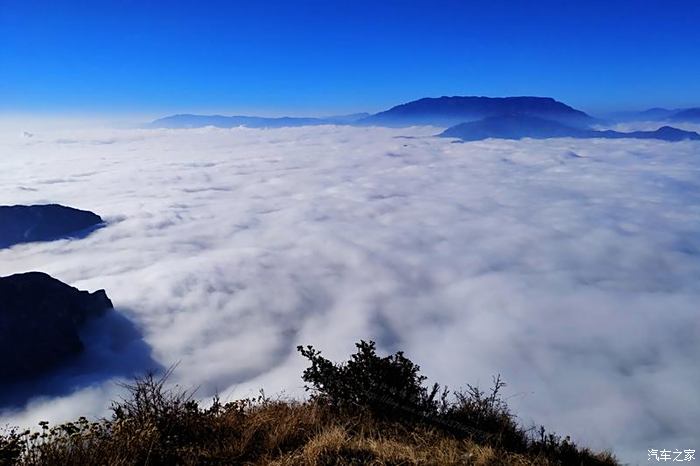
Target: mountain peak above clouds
(448,111)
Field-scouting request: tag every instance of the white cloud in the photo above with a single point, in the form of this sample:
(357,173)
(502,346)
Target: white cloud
(568,266)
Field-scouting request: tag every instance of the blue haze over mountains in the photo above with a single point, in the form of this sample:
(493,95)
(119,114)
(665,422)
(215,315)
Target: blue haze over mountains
(473,118)
(687,115)
(516,126)
(221,121)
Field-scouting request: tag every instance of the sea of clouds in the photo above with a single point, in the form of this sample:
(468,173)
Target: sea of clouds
(570,267)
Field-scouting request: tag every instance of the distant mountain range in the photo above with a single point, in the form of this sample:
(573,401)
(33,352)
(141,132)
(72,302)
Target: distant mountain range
(220,121)
(517,126)
(470,118)
(440,111)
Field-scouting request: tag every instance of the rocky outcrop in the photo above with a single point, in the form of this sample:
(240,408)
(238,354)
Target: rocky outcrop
(40,319)
(23,224)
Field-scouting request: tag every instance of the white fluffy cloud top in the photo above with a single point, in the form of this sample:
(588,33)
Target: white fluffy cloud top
(570,267)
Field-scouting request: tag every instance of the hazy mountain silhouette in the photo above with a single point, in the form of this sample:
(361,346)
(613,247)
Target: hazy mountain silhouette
(23,224)
(516,126)
(665,133)
(688,115)
(656,113)
(442,111)
(652,114)
(691,115)
(220,121)
(448,111)
(351,118)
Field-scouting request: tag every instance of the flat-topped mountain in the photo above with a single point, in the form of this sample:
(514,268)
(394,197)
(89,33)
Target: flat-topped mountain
(40,318)
(24,224)
(448,111)
(527,126)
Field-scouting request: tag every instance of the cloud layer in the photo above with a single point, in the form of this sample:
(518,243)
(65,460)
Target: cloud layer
(571,267)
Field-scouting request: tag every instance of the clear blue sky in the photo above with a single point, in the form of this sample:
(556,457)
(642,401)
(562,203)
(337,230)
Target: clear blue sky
(320,57)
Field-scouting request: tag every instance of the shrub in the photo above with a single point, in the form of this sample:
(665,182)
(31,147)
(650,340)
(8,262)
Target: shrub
(488,416)
(388,386)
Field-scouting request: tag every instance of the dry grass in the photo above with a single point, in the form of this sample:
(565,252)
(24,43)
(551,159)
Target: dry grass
(346,422)
(264,432)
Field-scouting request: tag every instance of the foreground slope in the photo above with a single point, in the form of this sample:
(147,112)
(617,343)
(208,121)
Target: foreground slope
(369,410)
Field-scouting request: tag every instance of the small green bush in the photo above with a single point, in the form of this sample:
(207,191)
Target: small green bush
(388,386)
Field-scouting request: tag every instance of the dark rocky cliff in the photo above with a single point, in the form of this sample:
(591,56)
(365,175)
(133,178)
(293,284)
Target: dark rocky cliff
(40,319)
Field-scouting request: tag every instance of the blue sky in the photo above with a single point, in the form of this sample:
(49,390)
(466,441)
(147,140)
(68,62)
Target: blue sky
(323,57)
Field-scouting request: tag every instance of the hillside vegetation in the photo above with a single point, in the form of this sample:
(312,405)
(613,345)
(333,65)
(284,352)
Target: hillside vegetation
(369,410)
